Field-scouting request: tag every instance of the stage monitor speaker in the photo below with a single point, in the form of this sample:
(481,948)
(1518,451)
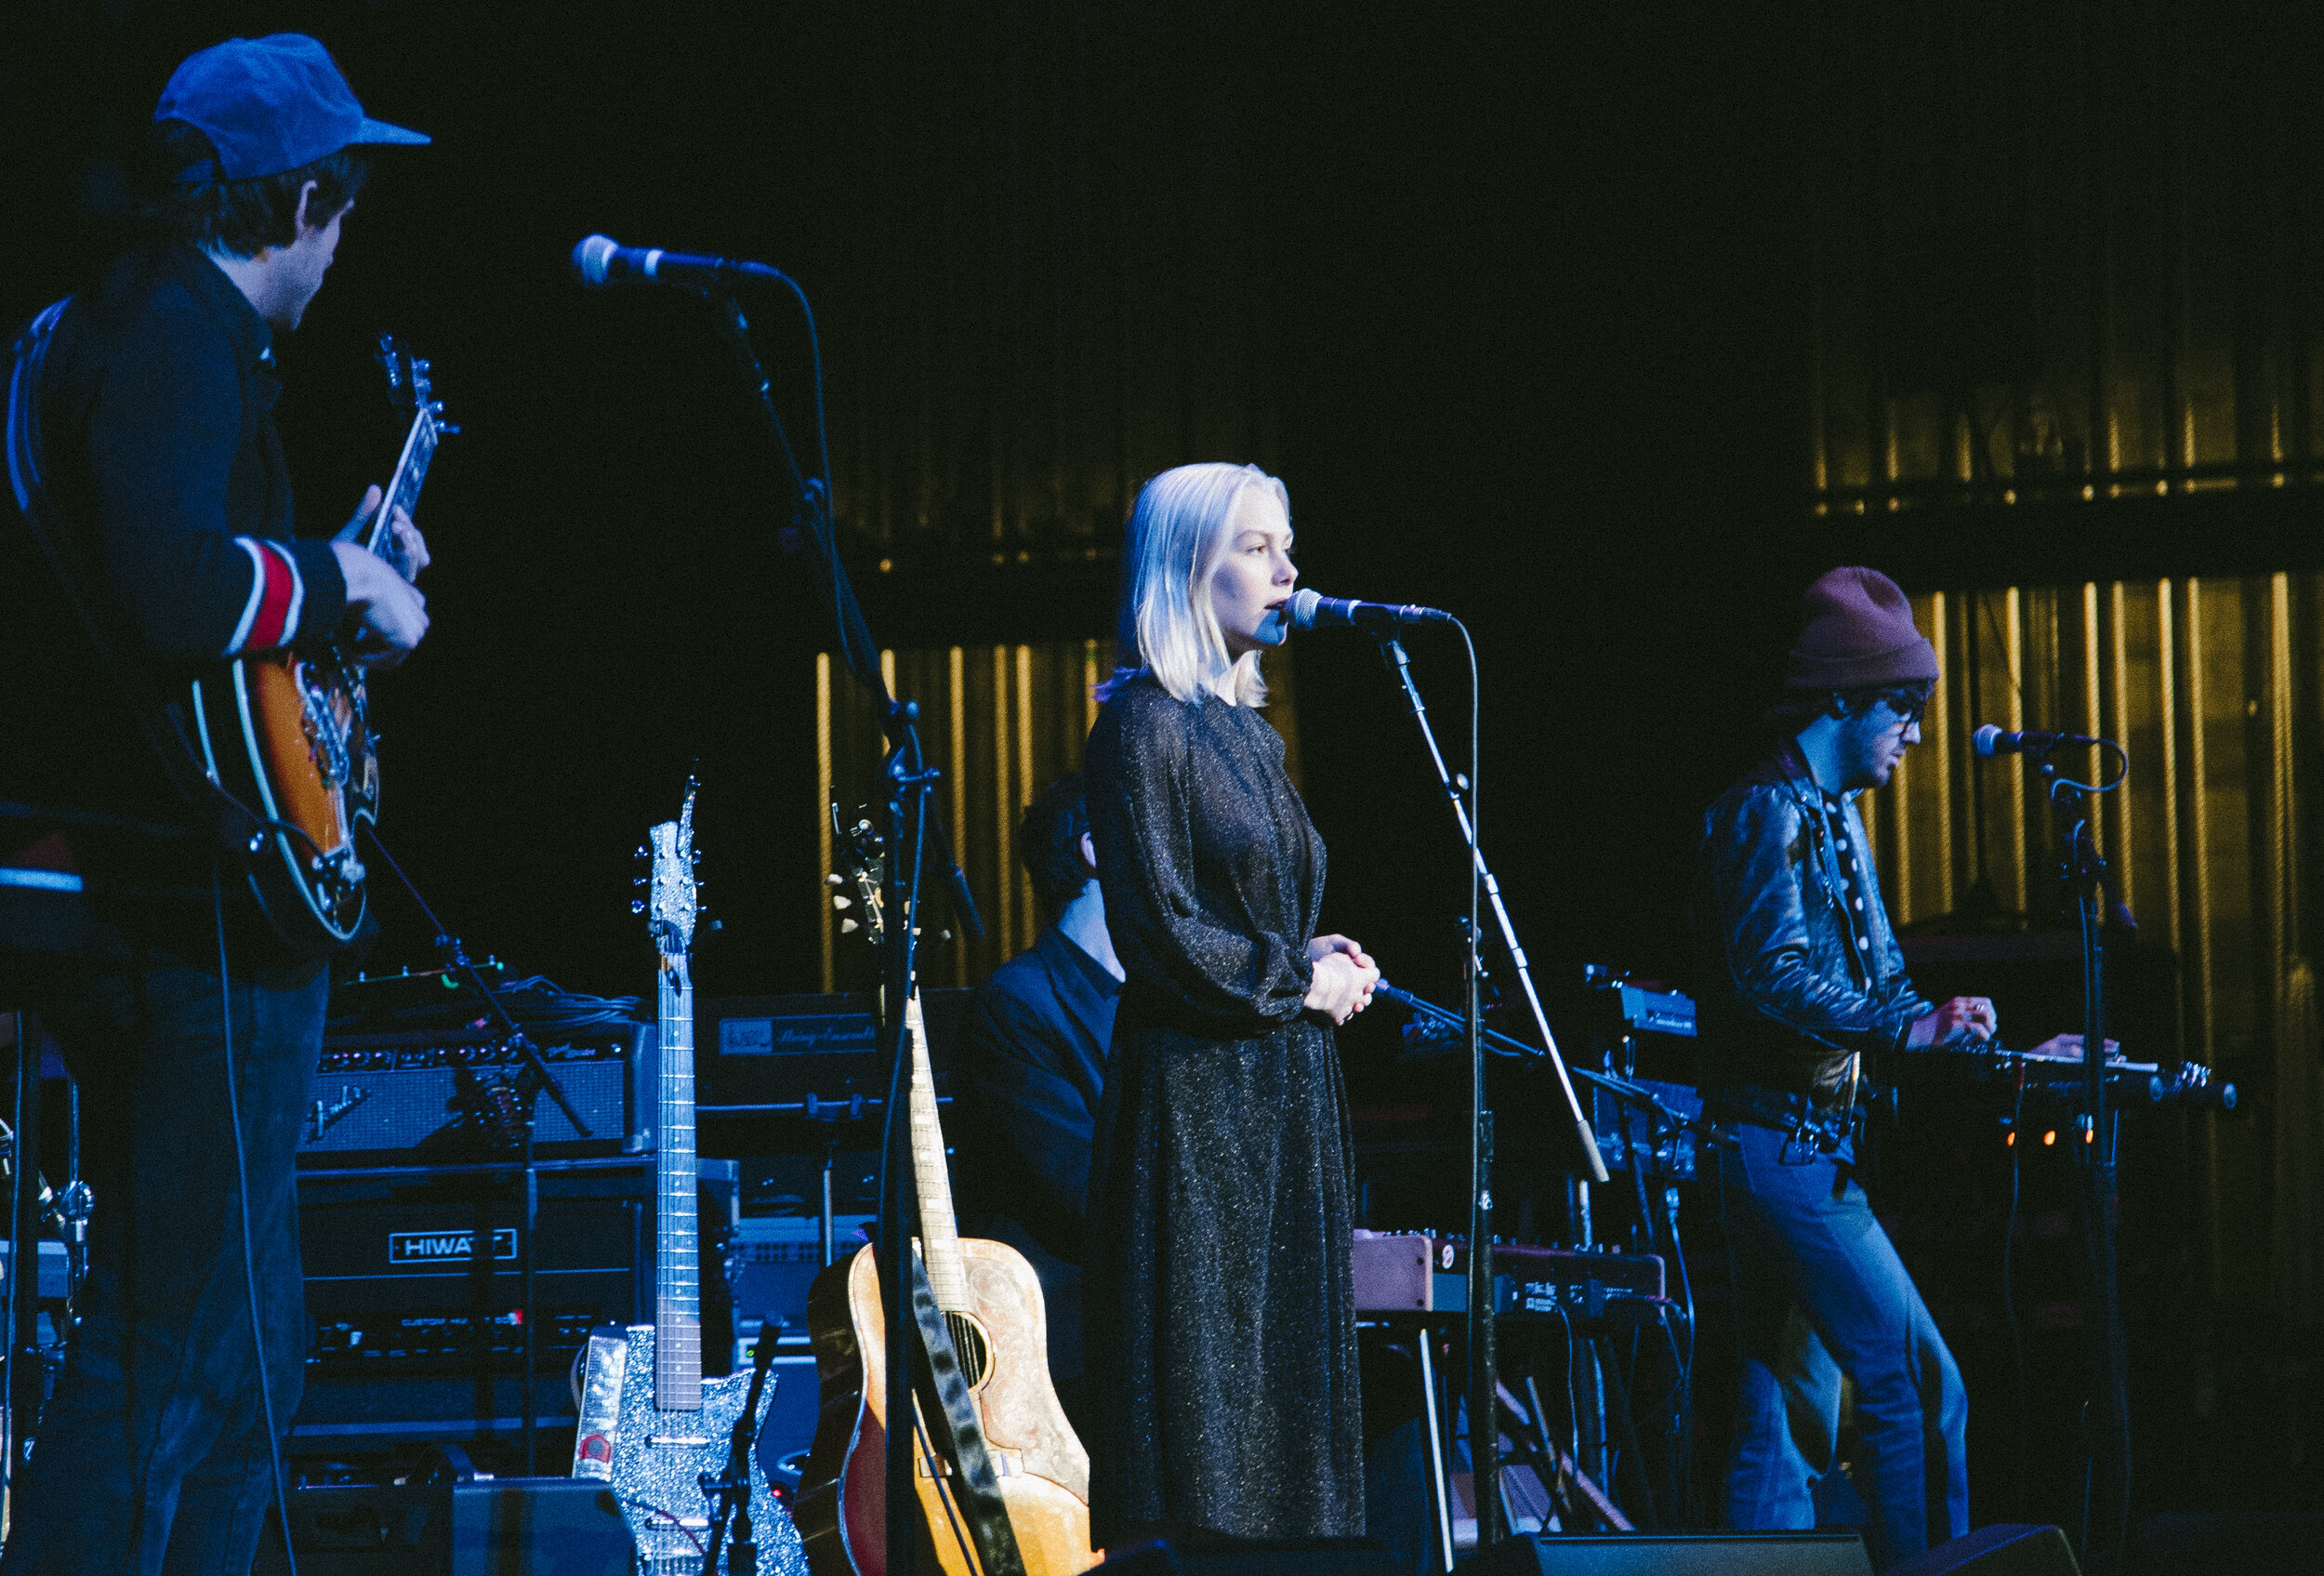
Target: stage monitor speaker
(2008,1549)
(505,1527)
(1302,1557)
(1723,1554)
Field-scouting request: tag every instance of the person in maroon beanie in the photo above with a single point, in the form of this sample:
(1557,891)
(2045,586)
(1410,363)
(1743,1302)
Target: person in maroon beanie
(1801,987)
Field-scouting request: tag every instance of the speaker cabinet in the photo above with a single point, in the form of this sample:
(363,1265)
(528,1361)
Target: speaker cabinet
(505,1527)
(1302,1557)
(2009,1549)
(1732,1553)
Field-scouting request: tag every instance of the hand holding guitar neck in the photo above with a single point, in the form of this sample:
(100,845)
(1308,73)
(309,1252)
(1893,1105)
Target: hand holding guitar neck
(390,613)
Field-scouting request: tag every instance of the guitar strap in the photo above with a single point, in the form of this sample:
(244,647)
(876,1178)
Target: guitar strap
(944,1396)
(235,826)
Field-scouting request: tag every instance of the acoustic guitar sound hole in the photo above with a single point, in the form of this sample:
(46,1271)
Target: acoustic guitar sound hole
(968,1339)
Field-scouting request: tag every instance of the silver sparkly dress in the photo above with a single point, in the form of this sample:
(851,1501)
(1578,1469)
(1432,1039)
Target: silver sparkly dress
(1219,1312)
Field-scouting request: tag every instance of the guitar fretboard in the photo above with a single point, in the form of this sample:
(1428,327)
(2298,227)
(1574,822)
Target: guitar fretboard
(939,1236)
(677,1257)
(411,472)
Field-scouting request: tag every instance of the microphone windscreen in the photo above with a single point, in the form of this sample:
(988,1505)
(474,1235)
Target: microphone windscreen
(1304,605)
(590,259)
(1985,739)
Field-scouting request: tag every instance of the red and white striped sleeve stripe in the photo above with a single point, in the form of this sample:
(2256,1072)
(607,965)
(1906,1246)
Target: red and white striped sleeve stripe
(270,617)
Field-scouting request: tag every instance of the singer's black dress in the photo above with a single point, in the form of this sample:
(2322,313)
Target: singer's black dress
(1220,1315)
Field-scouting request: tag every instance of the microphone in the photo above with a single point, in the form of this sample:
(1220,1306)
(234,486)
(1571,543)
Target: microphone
(1309,611)
(1990,740)
(601,260)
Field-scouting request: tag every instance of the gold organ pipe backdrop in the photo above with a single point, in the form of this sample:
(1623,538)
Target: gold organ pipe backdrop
(1002,721)
(2226,676)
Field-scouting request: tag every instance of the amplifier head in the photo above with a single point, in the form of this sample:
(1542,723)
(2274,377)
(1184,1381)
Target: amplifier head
(429,1096)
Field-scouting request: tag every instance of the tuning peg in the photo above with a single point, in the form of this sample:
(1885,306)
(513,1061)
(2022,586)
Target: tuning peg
(834,878)
(637,881)
(715,926)
(694,859)
(637,906)
(847,927)
(641,852)
(839,900)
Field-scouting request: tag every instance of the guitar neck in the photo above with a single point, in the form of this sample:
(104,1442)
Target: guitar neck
(676,1256)
(940,1235)
(404,483)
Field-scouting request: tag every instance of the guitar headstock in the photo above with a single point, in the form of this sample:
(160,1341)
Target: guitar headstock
(864,852)
(408,386)
(671,901)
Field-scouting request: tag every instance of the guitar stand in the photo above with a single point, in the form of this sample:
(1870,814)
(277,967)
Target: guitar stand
(457,960)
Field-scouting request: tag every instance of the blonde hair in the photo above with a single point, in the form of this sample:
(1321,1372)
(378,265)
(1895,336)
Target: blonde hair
(1174,543)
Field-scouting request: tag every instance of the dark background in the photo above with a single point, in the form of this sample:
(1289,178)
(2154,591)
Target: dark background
(1516,300)
(1530,340)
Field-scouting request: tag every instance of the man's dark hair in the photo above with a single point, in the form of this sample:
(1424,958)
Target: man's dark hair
(1049,840)
(1798,708)
(239,218)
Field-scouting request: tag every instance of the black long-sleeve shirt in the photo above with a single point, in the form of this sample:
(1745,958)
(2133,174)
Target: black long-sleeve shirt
(160,454)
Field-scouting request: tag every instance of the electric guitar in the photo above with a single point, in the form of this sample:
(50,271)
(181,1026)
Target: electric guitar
(288,733)
(651,1426)
(991,1306)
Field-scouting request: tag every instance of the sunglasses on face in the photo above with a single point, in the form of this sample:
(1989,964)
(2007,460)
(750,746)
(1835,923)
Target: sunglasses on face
(1907,704)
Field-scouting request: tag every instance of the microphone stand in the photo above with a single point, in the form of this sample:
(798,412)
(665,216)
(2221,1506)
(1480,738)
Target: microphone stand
(729,1491)
(1484,1355)
(911,835)
(457,960)
(2107,1440)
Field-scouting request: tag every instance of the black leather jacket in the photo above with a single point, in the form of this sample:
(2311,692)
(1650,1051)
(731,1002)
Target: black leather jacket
(1782,1002)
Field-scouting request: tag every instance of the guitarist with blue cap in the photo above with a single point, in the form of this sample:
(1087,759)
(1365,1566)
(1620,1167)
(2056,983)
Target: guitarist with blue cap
(157,533)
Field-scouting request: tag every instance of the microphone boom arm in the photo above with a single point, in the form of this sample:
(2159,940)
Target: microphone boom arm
(1392,653)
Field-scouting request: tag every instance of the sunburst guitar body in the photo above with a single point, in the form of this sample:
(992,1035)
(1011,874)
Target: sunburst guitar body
(288,733)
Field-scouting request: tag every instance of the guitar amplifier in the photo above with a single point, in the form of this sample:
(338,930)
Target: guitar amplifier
(782,1052)
(415,1294)
(379,1098)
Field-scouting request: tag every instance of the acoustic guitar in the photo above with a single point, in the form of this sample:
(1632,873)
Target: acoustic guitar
(991,1306)
(288,732)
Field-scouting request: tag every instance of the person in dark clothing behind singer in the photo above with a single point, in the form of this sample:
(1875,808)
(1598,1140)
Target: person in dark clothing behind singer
(1030,1068)
(143,449)
(1803,995)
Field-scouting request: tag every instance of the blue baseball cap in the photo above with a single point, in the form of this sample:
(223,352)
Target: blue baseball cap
(268,105)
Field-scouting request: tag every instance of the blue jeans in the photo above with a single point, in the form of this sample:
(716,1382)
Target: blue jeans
(152,1457)
(1820,1291)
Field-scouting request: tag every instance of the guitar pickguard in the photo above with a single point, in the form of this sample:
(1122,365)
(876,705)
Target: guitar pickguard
(659,1459)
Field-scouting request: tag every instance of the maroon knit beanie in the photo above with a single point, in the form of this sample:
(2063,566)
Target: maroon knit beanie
(1858,634)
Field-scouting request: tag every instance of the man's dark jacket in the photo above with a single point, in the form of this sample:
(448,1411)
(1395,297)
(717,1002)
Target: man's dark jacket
(1029,1067)
(1782,997)
(161,465)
